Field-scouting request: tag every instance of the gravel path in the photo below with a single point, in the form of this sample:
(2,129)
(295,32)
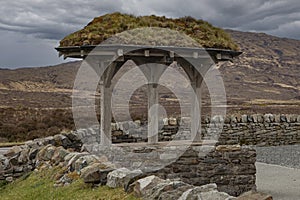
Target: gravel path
(288,156)
(281,182)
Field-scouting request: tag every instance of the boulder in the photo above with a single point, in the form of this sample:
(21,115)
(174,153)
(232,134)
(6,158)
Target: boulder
(168,190)
(48,140)
(61,140)
(73,158)
(217,119)
(76,142)
(194,193)
(23,157)
(244,118)
(252,195)
(215,195)
(59,155)
(138,123)
(72,136)
(46,153)
(172,121)
(142,187)
(13,160)
(15,150)
(121,177)
(84,161)
(96,173)
(233,119)
(165,121)
(70,156)
(32,153)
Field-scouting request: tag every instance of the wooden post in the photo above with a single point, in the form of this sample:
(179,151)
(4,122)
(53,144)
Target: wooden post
(105,113)
(196,107)
(153,72)
(152,113)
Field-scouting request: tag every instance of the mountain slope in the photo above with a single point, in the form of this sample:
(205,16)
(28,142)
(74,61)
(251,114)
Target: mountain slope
(267,73)
(269,68)
(36,102)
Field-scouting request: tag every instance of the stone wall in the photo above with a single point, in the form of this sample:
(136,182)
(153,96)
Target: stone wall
(23,159)
(263,130)
(231,167)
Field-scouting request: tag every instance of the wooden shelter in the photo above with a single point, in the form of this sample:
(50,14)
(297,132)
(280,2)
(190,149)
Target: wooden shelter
(194,61)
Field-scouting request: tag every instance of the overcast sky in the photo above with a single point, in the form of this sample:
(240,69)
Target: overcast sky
(30,29)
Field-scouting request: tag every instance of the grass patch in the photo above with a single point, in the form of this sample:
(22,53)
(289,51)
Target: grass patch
(106,26)
(39,185)
(10,144)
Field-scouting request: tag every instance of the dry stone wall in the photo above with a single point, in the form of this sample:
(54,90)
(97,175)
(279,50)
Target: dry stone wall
(257,129)
(262,130)
(231,167)
(20,160)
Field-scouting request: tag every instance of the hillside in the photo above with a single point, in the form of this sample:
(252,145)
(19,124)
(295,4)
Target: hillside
(264,79)
(267,73)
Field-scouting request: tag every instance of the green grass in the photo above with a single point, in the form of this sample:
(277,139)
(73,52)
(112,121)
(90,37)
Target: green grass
(106,26)
(10,144)
(39,185)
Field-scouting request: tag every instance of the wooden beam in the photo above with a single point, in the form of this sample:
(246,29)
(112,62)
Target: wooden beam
(152,114)
(196,107)
(105,114)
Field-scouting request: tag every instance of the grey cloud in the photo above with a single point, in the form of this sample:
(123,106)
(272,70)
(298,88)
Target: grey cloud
(22,51)
(56,18)
(51,20)
(289,30)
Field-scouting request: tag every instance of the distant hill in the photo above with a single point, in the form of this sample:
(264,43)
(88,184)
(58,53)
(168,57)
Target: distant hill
(264,79)
(268,68)
(267,72)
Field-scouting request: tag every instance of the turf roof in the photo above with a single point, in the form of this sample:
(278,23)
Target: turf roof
(150,30)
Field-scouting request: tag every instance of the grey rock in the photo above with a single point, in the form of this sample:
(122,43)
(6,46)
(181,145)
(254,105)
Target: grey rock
(114,127)
(84,161)
(96,173)
(32,153)
(233,119)
(215,195)
(14,160)
(48,140)
(59,154)
(254,195)
(172,121)
(168,190)
(9,179)
(194,193)
(23,157)
(143,186)
(61,140)
(15,150)
(122,177)
(244,118)
(138,123)
(46,153)
(73,159)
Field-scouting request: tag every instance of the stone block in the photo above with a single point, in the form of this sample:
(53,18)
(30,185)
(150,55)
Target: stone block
(172,121)
(96,173)
(122,177)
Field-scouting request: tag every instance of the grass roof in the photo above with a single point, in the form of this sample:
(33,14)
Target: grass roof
(150,30)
